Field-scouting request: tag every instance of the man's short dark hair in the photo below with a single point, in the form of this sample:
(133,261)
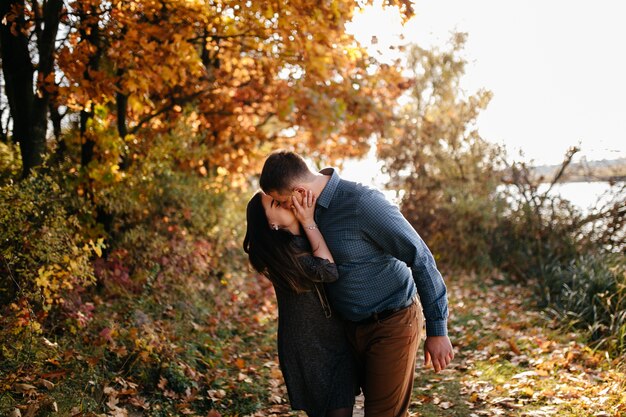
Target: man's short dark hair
(281,170)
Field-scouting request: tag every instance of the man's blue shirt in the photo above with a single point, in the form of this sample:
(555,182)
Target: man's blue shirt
(380,257)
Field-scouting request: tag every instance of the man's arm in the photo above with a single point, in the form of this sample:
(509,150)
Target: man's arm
(383,223)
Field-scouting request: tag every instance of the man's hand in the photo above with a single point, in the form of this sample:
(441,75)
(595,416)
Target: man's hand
(438,350)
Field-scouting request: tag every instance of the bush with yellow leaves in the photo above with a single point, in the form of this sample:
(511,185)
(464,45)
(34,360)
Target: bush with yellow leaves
(46,251)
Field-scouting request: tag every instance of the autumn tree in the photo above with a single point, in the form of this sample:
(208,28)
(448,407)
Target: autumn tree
(158,107)
(435,156)
(254,72)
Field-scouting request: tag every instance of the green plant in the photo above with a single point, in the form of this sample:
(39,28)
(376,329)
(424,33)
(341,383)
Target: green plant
(592,296)
(46,248)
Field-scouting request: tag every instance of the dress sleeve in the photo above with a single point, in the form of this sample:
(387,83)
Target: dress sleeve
(319,269)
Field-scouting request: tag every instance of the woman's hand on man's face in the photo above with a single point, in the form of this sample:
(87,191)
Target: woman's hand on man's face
(305,209)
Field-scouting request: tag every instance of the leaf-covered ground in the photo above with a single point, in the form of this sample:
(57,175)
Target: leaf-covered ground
(511,360)
(198,350)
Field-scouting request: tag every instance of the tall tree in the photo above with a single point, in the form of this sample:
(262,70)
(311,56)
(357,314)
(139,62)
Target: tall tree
(29,97)
(246,73)
(435,156)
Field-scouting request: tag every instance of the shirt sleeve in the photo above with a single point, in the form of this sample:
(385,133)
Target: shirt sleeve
(319,269)
(382,223)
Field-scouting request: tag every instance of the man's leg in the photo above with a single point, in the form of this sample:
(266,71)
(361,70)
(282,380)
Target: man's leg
(388,349)
(340,412)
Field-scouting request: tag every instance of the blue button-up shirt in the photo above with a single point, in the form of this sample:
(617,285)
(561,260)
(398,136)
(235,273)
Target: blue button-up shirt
(380,257)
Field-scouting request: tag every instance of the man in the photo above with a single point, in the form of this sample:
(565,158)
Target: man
(382,262)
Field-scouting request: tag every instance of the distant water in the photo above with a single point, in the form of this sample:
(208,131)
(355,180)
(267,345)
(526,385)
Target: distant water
(584,195)
(587,196)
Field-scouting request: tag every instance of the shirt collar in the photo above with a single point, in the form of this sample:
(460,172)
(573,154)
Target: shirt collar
(329,190)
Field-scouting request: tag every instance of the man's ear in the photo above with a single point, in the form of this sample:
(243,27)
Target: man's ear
(300,192)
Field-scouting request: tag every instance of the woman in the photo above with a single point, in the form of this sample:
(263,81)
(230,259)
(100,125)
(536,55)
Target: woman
(314,355)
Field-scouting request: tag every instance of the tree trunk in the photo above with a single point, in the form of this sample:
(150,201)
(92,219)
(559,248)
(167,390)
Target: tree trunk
(87,146)
(29,111)
(56,117)
(122,128)
(122,108)
(18,77)
(90,32)
(46,82)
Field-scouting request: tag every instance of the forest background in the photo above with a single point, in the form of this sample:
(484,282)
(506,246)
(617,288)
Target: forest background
(131,136)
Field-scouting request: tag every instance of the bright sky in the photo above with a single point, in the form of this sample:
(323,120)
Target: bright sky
(557,68)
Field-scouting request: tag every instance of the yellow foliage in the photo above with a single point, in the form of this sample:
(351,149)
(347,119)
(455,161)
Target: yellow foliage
(53,279)
(232,61)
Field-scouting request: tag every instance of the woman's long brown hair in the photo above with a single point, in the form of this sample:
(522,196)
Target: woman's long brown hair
(272,252)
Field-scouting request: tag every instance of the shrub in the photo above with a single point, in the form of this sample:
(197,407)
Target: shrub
(592,296)
(46,249)
(10,162)
(533,234)
(166,220)
(459,225)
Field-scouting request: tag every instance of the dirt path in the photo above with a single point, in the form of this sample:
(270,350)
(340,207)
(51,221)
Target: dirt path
(358,407)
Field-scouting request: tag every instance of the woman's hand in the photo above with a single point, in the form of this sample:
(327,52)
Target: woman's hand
(304,212)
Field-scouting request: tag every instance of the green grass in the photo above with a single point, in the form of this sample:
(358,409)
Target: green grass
(431,393)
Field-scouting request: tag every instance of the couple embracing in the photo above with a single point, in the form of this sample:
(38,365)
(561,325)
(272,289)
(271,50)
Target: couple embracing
(353,283)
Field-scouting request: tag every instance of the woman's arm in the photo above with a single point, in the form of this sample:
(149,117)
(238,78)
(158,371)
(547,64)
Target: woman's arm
(304,213)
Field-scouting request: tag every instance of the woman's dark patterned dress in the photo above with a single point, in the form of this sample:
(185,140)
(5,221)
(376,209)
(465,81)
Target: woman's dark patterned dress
(314,355)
